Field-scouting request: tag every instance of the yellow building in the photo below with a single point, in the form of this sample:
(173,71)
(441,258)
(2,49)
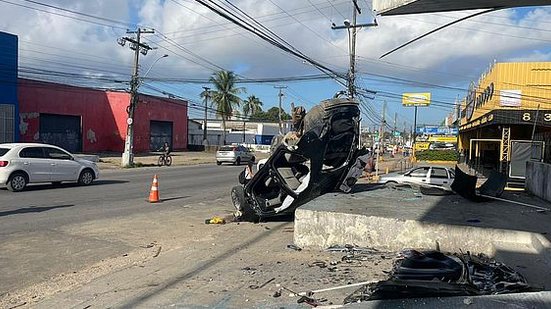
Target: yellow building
(510,105)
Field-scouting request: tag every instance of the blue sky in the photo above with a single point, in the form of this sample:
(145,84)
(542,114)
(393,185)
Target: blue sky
(199,42)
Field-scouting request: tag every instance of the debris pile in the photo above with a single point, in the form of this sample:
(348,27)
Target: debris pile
(435,274)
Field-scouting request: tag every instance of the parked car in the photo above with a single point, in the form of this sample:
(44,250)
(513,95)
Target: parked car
(24,163)
(423,175)
(235,154)
(308,162)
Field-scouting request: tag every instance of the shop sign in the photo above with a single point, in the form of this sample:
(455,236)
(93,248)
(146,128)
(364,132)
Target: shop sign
(510,98)
(477,99)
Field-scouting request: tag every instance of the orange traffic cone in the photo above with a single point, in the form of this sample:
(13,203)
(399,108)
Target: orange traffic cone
(154,193)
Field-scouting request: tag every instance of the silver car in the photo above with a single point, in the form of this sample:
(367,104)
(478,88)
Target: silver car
(234,154)
(423,175)
(24,163)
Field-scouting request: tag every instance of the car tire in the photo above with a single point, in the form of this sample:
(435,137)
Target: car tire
(218,163)
(86,177)
(391,184)
(17,182)
(238,161)
(246,213)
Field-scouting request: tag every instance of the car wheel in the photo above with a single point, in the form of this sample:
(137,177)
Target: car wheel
(391,184)
(218,163)
(244,212)
(238,161)
(86,177)
(17,182)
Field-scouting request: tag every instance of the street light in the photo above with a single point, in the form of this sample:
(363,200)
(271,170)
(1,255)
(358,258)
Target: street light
(151,66)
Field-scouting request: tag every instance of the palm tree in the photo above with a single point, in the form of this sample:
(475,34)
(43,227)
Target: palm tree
(225,96)
(251,106)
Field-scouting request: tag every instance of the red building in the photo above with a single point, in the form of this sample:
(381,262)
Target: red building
(90,120)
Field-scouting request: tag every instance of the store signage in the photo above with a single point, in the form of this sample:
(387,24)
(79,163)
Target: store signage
(476,99)
(510,98)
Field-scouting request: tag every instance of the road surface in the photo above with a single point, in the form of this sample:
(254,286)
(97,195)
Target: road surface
(36,243)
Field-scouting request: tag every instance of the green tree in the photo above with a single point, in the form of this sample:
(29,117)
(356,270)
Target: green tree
(251,106)
(225,96)
(271,115)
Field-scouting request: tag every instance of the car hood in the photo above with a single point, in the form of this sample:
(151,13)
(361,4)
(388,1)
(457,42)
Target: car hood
(85,162)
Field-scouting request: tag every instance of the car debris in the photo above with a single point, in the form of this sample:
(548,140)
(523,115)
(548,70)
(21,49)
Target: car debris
(314,159)
(294,247)
(436,274)
(465,185)
(256,287)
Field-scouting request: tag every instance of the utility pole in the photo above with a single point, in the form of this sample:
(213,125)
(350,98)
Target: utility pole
(205,136)
(381,138)
(280,95)
(394,130)
(352,31)
(138,47)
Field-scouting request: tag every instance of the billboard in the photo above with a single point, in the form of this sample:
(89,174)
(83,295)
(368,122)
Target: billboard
(416,99)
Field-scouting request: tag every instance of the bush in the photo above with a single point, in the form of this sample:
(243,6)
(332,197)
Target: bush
(437,155)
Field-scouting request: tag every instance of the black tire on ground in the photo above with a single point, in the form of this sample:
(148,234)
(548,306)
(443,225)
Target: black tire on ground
(168,160)
(86,177)
(218,163)
(238,161)
(17,182)
(241,205)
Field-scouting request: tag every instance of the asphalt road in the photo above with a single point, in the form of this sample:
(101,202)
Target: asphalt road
(33,245)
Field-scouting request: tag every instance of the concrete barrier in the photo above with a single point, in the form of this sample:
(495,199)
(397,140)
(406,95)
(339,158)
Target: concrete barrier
(538,179)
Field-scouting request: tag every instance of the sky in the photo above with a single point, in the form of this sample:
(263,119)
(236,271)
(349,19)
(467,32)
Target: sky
(55,43)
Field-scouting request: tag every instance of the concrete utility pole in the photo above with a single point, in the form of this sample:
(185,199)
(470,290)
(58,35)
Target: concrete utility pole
(352,31)
(381,138)
(280,95)
(205,136)
(138,47)
(394,130)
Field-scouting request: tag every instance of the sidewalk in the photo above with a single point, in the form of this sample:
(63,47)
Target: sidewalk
(113,160)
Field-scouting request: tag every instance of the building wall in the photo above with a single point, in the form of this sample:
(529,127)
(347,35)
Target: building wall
(8,87)
(103,115)
(530,82)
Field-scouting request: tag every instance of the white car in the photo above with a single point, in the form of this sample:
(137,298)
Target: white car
(423,175)
(24,163)
(234,154)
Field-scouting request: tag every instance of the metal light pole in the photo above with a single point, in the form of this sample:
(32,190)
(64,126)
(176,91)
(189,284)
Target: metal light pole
(138,47)
(205,136)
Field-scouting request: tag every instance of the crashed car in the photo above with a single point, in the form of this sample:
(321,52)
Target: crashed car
(319,156)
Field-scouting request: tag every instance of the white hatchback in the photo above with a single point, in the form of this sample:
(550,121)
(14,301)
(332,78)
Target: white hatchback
(24,163)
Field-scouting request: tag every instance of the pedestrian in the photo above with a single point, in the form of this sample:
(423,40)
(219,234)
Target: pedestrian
(247,174)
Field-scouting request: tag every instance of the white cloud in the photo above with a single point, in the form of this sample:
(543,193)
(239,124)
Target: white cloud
(461,51)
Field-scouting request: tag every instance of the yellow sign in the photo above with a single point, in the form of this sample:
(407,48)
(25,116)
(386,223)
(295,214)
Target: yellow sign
(419,146)
(416,99)
(443,139)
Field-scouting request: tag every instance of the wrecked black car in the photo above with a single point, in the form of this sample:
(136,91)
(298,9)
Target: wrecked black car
(319,156)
